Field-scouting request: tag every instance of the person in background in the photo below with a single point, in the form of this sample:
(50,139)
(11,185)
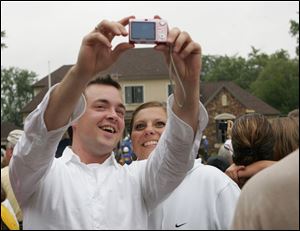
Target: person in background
(12,140)
(226,153)
(8,218)
(270,199)
(286,132)
(219,162)
(126,151)
(86,189)
(205,199)
(204,144)
(286,135)
(2,157)
(252,140)
(228,142)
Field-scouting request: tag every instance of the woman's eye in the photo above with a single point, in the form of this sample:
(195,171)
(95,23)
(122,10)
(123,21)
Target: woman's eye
(160,124)
(139,127)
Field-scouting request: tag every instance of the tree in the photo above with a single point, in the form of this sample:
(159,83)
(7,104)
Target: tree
(294,30)
(278,83)
(3,45)
(16,92)
(235,68)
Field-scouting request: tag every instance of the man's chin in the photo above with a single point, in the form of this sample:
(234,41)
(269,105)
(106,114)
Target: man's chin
(106,147)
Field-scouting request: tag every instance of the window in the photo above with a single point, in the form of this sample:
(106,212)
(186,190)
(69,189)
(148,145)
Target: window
(224,100)
(134,94)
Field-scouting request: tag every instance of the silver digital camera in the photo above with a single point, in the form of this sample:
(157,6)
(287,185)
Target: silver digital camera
(148,31)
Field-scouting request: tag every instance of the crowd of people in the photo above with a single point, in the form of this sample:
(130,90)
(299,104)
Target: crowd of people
(158,181)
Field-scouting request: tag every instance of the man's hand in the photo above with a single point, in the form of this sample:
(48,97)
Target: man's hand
(186,54)
(187,59)
(96,52)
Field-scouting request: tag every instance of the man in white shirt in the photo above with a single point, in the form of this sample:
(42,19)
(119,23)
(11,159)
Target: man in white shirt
(86,188)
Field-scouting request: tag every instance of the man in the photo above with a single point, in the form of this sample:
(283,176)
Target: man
(86,188)
(12,139)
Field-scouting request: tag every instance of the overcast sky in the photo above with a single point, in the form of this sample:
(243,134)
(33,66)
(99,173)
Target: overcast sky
(43,33)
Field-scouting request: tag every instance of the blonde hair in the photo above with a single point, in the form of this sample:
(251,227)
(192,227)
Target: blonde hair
(286,132)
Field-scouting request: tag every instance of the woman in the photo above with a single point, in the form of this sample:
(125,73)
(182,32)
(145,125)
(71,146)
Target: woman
(259,144)
(204,200)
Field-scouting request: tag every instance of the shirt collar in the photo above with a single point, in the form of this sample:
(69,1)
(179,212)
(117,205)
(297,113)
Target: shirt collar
(70,156)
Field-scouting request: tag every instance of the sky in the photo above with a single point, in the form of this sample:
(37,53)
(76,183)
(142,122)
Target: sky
(43,36)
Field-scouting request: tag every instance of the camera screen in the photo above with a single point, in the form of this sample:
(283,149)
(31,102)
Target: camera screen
(143,30)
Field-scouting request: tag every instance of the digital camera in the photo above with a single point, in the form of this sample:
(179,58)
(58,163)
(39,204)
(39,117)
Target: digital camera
(149,31)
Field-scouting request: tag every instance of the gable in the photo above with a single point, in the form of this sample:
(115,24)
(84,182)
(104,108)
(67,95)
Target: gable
(210,91)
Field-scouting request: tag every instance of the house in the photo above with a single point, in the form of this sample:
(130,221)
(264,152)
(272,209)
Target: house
(225,100)
(143,76)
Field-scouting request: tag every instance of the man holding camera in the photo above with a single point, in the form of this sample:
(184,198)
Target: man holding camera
(86,188)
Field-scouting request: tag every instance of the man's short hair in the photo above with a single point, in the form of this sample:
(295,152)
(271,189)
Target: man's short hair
(105,80)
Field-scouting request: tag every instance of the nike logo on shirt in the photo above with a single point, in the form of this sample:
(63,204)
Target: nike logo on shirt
(176,225)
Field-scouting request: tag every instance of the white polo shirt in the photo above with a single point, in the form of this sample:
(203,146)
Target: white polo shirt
(205,200)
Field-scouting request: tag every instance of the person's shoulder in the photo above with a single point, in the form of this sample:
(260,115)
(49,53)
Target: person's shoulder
(208,179)
(202,171)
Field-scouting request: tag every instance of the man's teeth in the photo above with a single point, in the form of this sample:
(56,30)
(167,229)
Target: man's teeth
(108,129)
(148,143)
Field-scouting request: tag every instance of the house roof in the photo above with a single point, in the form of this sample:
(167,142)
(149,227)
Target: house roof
(148,64)
(140,63)
(209,90)
(134,64)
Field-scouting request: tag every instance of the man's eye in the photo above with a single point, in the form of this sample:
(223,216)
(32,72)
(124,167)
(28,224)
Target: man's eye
(100,108)
(121,113)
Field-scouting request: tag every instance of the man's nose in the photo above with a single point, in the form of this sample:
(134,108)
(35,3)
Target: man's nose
(112,115)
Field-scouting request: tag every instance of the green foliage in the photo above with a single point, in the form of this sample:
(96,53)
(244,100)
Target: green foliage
(217,68)
(237,69)
(278,83)
(294,30)
(16,92)
(3,45)
(273,78)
